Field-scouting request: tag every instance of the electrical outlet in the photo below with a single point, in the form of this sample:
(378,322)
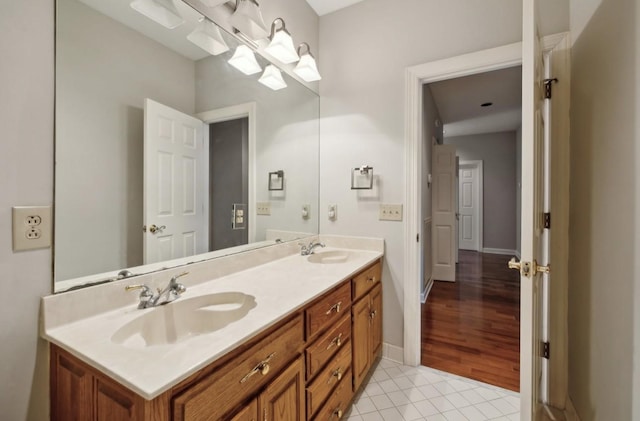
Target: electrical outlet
(31,227)
(332,212)
(263,208)
(390,212)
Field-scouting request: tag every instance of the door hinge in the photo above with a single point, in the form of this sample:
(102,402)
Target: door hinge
(547,220)
(545,350)
(547,87)
(418,238)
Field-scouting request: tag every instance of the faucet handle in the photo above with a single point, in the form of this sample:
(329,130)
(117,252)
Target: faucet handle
(135,287)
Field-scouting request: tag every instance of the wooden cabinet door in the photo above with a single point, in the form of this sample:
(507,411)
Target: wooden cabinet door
(376,321)
(360,341)
(71,387)
(248,413)
(284,399)
(113,403)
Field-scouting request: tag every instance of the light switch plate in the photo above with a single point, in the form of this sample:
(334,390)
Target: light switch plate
(390,212)
(263,208)
(31,227)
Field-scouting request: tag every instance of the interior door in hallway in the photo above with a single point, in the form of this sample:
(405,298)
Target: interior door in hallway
(174,184)
(470,205)
(444,212)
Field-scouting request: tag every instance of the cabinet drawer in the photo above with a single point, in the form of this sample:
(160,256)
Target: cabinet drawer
(327,345)
(336,405)
(324,383)
(328,309)
(217,394)
(366,279)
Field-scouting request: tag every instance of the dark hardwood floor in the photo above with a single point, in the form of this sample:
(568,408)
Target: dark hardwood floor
(471,327)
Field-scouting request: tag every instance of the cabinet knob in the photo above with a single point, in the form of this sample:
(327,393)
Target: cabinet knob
(373,314)
(337,341)
(338,413)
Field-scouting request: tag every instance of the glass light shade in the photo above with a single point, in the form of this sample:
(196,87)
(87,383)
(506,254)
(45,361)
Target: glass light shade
(208,37)
(248,19)
(163,12)
(281,47)
(272,78)
(244,60)
(307,69)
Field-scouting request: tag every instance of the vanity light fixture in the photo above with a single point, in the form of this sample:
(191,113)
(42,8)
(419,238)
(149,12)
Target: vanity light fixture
(208,37)
(306,67)
(163,12)
(213,3)
(244,60)
(248,19)
(272,78)
(281,45)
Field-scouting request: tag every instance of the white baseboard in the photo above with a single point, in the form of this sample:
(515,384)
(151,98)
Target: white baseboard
(427,290)
(393,353)
(570,411)
(498,251)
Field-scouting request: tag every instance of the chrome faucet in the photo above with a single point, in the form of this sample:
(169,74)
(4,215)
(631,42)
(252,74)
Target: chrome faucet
(307,250)
(170,293)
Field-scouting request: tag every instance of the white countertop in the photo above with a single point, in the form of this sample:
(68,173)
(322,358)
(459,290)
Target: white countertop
(280,287)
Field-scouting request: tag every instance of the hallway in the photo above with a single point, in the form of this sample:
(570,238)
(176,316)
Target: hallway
(471,327)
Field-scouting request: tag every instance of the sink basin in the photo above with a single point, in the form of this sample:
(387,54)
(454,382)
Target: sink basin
(184,318)
(333,256)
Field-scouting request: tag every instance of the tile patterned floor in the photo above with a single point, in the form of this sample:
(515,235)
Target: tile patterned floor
(397,392)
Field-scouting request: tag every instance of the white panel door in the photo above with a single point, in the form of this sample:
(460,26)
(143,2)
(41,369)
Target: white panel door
(174,184)
(444,212)
(532,239)
(469,207)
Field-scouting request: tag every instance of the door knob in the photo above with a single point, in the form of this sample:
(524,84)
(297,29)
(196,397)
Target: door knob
(528,269)
(154,228)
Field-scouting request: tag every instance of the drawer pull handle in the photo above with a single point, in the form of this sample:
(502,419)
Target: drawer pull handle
(337,413)
(337,341)
(371,279)
(337,374)
(373,314)
(262,367)
(335,307)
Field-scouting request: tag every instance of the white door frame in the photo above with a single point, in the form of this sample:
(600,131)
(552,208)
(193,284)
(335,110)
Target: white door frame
(248,109)
(478,164)
(416,76)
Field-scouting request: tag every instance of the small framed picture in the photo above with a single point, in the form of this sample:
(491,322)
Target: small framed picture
(276,180)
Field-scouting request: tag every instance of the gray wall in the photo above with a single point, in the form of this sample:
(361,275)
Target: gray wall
(365,49)
(26,171)
(498,153)
(105,71)
(603,262)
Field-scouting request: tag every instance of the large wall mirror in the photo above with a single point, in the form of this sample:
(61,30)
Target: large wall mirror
(164,152)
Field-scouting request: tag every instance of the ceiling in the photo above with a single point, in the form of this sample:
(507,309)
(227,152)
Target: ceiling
(323,7)
(458,101)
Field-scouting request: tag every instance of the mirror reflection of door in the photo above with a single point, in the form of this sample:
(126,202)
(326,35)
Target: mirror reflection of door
(228,181)
(174,184)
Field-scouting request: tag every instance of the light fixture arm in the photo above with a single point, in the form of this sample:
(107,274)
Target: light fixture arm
(282,28)
(304,44)
(238,3)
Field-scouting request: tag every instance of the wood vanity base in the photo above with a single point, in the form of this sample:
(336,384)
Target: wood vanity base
(307,367)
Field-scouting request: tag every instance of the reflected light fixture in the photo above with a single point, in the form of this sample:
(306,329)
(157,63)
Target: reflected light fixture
(163,12)
(272,78)
(281,45)
(248,19)
(208,37)
(306,67)
(244,60)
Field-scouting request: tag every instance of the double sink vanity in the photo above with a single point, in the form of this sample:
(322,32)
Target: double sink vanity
(266,335)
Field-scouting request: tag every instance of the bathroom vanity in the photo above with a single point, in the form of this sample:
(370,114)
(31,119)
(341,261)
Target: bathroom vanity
(310,335)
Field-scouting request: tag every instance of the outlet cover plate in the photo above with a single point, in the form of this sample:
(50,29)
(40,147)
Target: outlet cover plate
(390,212)
(31,227)
(263,208)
